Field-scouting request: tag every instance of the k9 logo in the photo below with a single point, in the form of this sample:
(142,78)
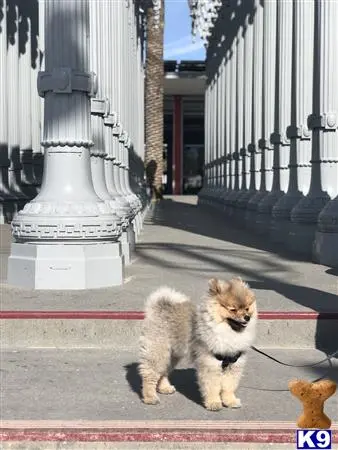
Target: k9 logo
(314,439)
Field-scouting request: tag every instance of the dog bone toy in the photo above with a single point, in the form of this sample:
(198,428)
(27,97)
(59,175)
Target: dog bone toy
(313,396)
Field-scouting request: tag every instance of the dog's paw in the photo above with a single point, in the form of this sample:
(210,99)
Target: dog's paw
(151,400)
(169,389)
(232,403)
(215,405)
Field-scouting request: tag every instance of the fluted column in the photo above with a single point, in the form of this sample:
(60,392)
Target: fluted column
(109,17)
(232,185)
(25,98)
(217,140)
(281,116)
(100,109)
(224,125)
(220,133)
(326,239)
(254,149)
(297,132)
(118,75)
(13,101)
(268,103)
(7,198)
(227,125)
(242,132)
(37,41)
(138,177)
(213,148)
(128,91)
(247,158)
(222,140)
(66,238)
(322,122)
(202,195)
(238,122)
(211,144)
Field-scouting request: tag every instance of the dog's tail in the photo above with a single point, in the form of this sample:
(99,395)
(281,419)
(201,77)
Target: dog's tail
(163,301)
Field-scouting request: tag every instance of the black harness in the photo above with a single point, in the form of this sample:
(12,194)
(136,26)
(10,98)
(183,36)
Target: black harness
(227,360)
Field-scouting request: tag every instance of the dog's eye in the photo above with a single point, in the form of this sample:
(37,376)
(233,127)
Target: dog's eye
(232,309)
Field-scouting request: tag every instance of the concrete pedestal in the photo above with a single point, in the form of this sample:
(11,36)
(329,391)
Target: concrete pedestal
(280,221)
(127,241)
(65,266)
(325,250)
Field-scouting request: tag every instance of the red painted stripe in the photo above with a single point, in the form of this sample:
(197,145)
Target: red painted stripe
(146,435)
(298,315)
(139,315)
(110,315)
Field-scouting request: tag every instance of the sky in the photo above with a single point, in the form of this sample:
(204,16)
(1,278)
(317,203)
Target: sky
(178,43)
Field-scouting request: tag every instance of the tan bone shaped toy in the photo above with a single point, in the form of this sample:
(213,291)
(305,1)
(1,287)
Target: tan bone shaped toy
(313,396)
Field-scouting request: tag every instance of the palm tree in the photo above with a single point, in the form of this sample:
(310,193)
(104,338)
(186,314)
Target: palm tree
(154,76)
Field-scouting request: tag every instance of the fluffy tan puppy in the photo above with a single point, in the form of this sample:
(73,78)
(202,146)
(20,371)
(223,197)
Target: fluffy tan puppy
(216,335)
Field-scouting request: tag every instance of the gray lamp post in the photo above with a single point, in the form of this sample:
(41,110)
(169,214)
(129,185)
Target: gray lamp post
(66,238)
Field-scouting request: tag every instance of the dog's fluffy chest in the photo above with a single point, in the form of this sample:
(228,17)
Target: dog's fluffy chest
(222,339)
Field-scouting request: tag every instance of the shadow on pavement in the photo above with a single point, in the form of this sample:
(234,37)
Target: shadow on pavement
(188,217)
(197,219)
(184,381)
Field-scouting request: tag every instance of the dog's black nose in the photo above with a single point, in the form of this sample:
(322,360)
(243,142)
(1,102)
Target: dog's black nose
(247,318)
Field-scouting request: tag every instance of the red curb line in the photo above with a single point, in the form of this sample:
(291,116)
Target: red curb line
(268,436)
(139,315)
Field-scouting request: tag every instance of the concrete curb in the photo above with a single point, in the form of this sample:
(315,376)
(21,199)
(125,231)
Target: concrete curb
(121,329)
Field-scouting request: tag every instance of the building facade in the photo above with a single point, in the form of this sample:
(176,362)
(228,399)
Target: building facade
(71,139)
(184,86)
(271,161)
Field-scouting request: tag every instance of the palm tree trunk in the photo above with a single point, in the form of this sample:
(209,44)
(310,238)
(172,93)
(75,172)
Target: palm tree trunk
(154,100)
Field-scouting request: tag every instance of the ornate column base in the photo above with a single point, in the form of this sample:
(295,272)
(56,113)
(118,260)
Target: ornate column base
(8,200)
(15,186)
(223,199)
(137,225)
(28,183)
(203,196)
(241,206)
(230,203)
(65,266)
(303,223)
(8,208)
(264,211)
(251,209)
(326,238)
(280,222)
(38,162)
(127,240)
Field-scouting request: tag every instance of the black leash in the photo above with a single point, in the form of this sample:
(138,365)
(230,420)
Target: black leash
(327,359)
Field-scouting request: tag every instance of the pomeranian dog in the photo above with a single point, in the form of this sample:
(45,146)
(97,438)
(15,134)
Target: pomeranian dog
(216,336)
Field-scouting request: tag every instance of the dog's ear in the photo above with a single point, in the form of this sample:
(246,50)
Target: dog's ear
(240,280)
(217,287)
(214,286)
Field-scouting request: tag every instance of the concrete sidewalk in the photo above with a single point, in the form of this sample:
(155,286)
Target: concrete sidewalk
(98,385)
(183,245)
